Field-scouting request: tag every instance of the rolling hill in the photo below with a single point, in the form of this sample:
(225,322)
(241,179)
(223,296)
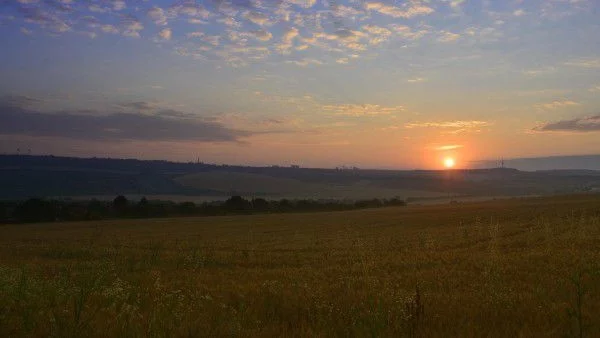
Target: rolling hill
(49,176)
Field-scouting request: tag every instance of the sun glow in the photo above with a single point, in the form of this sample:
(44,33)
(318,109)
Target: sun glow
(449,162)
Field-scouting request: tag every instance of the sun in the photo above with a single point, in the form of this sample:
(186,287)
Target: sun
(449,162)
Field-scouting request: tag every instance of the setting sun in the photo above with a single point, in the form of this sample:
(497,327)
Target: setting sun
(449,162)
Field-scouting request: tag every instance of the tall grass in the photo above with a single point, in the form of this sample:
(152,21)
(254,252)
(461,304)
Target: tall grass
(522,268)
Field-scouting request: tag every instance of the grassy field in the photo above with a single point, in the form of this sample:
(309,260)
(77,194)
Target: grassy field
(521,268)
(271,187)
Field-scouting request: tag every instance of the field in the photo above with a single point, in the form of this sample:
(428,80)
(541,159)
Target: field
(519,267)
(250,184)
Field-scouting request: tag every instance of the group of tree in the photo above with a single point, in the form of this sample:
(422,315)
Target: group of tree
(47,210)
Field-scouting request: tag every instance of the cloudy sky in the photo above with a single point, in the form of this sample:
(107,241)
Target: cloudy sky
(380,84)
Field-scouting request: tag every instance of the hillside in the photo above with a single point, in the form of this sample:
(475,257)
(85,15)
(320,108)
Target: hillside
(50,176)
(265,185)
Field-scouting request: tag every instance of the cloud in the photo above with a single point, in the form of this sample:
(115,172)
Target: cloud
(45,18)
(287,38)
(139,105)
(539,71)
(118,5)
(131,26)
(165,34)
(448,124)
(91,21)
(346,34)
(448,36)
(213,40)
(406,32)
(19,100)
(559,9)
(519,12)
(337,29)
(190,9)
(557,104)
(109,29)
(195,34)
(377,34)
(347,38)
(584,63)
(290,34)
(483,34)
(261,34)
(60,6)
(167,125)
(408,11)
(449,147)
(595,89)
(229,21)
(97,9)
(290,26)
(358,110)
(305,62)
(376,30)
(257,18)
(197,21)
(416,80)
(230,8)
(543,92)
(455,4)
(584,124)
(303,3)
(457,126)
(157,15)
(346,11)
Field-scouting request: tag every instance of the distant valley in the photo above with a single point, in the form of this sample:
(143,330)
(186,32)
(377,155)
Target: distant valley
(65,177)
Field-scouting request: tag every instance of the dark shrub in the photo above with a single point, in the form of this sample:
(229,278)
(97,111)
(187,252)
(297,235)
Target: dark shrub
(35,210)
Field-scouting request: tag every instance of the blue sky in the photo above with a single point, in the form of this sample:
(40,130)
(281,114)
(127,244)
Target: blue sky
(395,84)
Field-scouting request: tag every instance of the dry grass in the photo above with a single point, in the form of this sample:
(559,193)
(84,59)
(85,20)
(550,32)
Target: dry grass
(505,268)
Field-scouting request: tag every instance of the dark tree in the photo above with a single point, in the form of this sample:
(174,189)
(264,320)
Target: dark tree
(142,209)
(285,205)
(395,202)
(186,208)
(97,209)
(35,210)
(71,211)
(237,203)
(260,204)
(4,212)
(120,204)
(372,203)
(306,205)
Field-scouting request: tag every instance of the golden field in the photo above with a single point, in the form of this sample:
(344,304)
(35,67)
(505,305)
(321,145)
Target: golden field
(518,267)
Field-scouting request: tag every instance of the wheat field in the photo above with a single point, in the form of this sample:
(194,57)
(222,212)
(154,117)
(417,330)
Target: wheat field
(519,267)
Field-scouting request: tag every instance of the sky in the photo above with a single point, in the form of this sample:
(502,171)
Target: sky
(317,83)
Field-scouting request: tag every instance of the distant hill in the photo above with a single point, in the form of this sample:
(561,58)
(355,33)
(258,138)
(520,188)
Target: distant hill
(41,176)
(576,162)
(24,176)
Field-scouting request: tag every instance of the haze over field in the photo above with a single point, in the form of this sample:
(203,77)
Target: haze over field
(375,84)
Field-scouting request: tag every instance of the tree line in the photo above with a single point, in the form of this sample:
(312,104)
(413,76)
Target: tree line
(51,210)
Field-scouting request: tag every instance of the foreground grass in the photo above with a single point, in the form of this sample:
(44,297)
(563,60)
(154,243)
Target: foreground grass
(524,267)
